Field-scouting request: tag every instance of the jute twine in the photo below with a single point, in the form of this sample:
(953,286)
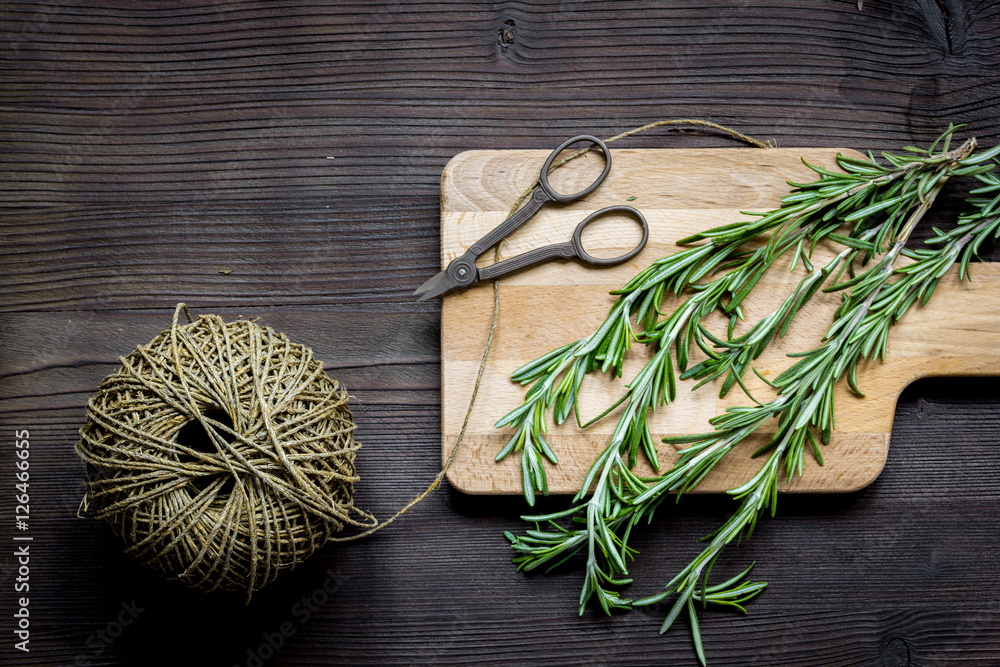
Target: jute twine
(696,122)
(278,475)
(276,480)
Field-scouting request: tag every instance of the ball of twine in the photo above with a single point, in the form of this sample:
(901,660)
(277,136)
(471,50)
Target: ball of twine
(221,454)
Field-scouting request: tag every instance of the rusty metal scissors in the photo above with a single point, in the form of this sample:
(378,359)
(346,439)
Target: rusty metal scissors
(463,272)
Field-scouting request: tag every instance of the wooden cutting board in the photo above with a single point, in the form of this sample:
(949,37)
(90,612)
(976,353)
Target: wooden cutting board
(679,192)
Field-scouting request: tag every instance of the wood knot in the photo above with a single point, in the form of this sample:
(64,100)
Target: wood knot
(895,654)
(505,35)
(947,23)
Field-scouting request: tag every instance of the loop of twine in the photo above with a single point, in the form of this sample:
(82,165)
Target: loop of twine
(734,134)
(274,484)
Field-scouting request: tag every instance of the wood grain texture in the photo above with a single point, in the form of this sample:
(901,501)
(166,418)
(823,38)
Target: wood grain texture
(681,192)
(145,147)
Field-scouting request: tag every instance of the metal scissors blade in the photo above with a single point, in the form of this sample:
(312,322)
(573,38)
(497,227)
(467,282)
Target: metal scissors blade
(462,271)
(435,286)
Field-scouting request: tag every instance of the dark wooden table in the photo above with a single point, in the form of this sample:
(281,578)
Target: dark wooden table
(149,148)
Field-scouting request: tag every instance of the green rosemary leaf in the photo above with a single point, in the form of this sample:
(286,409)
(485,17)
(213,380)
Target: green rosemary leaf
(528,479)
(696,633)
(653,599)
(855,166)
(874,208)
(979,158)
(549,454)
(684,439)
(926,291)
(852,242)
(764,379)
(927,183)
(532,369)
(514,444)
(675,612)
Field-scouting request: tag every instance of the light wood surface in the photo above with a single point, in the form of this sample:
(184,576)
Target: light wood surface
(679,191)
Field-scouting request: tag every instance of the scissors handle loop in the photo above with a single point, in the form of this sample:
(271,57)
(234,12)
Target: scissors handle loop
(585,256)
(543,179)
(568,250)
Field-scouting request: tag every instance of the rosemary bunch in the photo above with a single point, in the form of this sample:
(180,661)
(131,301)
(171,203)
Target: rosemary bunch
(880,205)
(877,199)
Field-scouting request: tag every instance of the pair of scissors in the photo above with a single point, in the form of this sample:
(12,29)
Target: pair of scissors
(462,272)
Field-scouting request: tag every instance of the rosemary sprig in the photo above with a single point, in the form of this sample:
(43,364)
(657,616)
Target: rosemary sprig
(805,400)
(874,299)
(558,375)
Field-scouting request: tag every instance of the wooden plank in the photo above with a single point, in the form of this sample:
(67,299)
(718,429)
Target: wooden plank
(680,192)
(151,146)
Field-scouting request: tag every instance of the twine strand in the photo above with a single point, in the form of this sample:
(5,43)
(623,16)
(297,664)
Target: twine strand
(734,134)
(276,483)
